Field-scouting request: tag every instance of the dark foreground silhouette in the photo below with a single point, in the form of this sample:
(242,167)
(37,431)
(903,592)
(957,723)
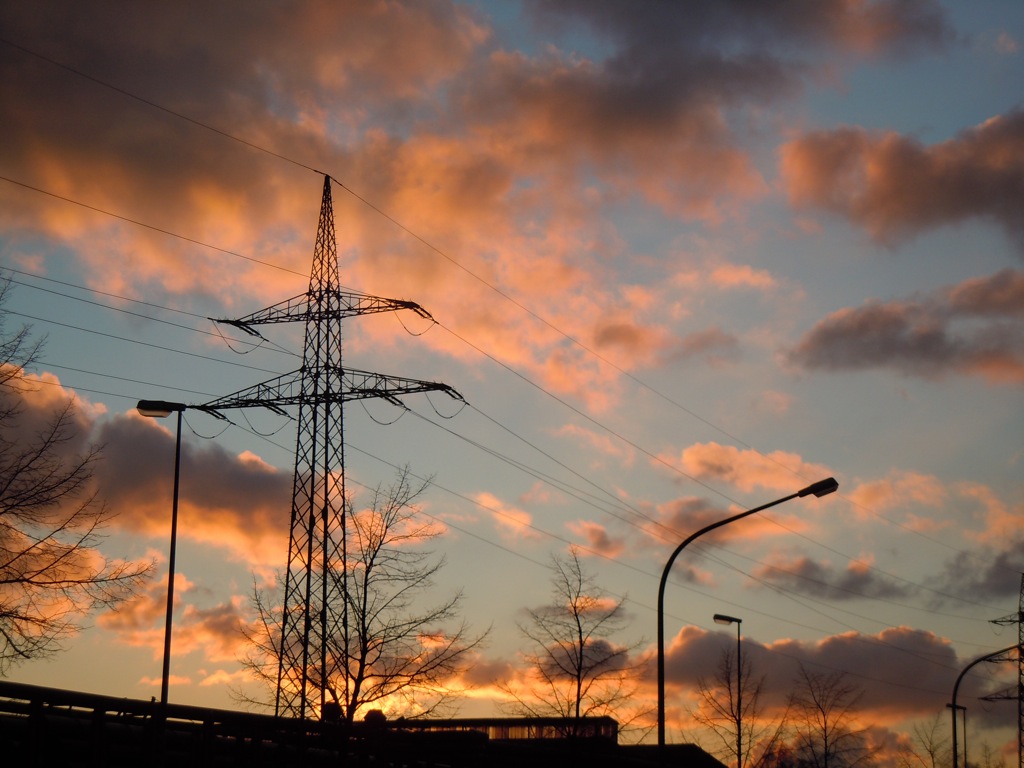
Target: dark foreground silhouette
(50,726)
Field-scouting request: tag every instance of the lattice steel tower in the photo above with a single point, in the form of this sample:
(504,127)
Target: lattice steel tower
(315,610)
(1018,694)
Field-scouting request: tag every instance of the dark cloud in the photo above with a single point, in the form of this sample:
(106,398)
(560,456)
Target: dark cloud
(902,671)
(598,538)
(304,80)
(217,629)
(35,406)
(239,504)
(712,344)
(895,187)
(663,29)
(985,575)
(648,105)
(821,580)
(998,295)
(974,328)
(691,513)
(484,672)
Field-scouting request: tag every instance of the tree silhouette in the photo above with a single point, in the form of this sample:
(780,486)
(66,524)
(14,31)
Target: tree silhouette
(826,736)
(928,746)
(51,519)
(399,653)
(575,668)
(719,712)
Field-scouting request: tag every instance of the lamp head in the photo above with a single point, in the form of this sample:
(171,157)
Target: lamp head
(820,488)
(721,618)
(158,408)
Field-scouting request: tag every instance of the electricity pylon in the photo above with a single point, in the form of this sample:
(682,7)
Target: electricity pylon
(1018,694)
(315,609)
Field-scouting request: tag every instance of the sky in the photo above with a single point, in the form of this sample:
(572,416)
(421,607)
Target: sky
(681,259)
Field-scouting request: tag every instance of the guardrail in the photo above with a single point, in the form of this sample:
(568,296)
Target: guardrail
(42,726)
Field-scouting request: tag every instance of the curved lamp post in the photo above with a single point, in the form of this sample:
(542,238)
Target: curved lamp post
(721,618)
(159,409)
(953,707)
(820,488)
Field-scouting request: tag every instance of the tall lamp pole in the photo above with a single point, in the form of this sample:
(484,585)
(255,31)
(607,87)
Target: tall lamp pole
(159,409)
(955,708)
(820,488)
(956,686)
(721,618)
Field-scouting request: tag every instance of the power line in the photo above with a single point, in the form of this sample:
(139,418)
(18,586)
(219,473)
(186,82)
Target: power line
(155,105)
(142,224)
(389,218)
(596,423)
(136,341)
(429,245)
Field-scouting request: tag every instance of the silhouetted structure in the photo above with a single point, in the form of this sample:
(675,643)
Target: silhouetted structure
(316,591)
(48,726)
(1017,692)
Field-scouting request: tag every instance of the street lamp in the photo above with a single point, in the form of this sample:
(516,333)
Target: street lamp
(721,618)
(956,686)
(159,409)
(963,710)
(820,488)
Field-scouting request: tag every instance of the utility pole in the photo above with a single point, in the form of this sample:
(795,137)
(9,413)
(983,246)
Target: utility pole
(315,608)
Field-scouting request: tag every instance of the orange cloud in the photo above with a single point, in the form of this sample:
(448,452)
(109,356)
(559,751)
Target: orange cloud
(215,630)
(139,622)
(513,523)
(1002,521)
(741,276)
(899,488)
(747,469)
(602,443)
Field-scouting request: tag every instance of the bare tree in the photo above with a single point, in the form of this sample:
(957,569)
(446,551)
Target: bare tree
(990,758)
(576,669)
(929,745)
(395,652)
(719,711)
(826,736)
(51,574)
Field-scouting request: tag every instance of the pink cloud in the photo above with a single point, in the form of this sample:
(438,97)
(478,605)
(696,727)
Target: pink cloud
(896,188)
(513,523)
(1002,521)
(597,538)
(601,442)
(747,469)
(899,488)
(741,276)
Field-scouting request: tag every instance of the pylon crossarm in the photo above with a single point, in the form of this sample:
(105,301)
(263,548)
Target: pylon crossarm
(303,308)
(273,394)
(284,391)
(360,385)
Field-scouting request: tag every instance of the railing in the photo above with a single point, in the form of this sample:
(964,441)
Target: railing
(42,726)
(519,728)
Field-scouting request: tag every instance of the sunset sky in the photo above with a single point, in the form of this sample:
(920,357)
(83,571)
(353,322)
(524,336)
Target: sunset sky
(683,258)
